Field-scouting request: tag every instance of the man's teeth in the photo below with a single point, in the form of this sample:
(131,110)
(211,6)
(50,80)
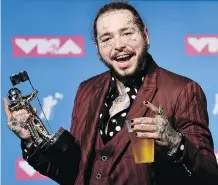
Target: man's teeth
(122,57)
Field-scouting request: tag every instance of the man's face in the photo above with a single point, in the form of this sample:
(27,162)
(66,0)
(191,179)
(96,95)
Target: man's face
(120,43)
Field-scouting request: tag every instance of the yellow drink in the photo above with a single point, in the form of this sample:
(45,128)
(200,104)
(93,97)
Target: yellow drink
(143,149)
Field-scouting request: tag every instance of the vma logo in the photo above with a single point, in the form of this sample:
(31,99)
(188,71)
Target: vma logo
(26,172)
(201,44)
(49,103)
(60,46)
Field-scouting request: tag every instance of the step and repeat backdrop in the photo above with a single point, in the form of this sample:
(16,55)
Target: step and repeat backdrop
(52,41)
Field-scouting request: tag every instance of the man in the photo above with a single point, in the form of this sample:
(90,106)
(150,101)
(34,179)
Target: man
(133,89)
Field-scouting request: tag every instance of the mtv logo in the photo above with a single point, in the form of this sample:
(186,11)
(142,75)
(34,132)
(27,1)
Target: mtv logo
(26,172)
(48,46)
(201,44)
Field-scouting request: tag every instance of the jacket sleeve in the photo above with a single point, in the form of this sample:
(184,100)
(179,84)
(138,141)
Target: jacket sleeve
(198,160)
(62,167)
(63,173)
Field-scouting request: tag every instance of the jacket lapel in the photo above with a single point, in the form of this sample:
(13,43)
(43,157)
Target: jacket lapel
(97,97)
(146,93)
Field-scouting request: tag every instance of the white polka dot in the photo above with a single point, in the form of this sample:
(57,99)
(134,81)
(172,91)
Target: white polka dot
(133,96)
(105,104)
(101,132)
(113,120)
(118,128)
(111,134)
(142,78)
(182,147)
(113,78)
(100,116)
(135,90)
(127,89)
(123,115)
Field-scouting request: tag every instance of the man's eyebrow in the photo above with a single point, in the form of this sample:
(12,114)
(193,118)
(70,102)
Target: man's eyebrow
(121,30)
(105,34)
(127,28)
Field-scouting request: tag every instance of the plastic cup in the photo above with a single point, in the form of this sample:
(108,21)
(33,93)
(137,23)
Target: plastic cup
(143,149)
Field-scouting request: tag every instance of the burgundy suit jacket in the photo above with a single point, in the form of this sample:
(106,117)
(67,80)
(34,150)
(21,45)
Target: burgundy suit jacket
(184,104)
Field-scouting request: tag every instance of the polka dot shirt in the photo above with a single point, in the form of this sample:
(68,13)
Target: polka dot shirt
(109,127)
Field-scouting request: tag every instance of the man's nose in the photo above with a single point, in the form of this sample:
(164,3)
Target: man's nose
(119,45)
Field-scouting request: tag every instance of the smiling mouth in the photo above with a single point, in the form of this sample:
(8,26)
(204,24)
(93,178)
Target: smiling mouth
(123,58)
(123,61)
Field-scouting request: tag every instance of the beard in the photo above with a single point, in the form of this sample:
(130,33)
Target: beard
(141,64)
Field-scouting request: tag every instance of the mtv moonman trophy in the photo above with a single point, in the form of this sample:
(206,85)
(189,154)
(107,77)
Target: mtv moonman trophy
(60,147)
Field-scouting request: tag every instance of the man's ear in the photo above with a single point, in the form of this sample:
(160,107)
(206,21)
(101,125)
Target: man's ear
(146,35)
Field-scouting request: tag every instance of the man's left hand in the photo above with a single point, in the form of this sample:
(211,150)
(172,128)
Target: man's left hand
(157,127)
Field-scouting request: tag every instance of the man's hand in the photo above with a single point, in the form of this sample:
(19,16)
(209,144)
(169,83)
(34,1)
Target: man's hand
(16,121)
(158,128)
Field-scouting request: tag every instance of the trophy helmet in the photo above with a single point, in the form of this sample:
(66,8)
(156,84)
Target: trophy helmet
(14,93)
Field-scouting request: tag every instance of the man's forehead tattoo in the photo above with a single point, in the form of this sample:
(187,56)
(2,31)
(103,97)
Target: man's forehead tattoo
(129,23)
(104,28)
(130,20)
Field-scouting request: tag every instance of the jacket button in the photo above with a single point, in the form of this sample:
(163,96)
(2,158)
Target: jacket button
(104,158)
(98,176)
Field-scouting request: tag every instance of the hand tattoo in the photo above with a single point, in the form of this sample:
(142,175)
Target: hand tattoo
(18,128)
(167,135)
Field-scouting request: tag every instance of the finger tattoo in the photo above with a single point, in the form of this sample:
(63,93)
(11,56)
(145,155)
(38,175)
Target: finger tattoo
(142,120)
(142,126)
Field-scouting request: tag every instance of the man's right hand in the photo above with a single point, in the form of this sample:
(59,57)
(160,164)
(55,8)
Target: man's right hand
(16,121)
